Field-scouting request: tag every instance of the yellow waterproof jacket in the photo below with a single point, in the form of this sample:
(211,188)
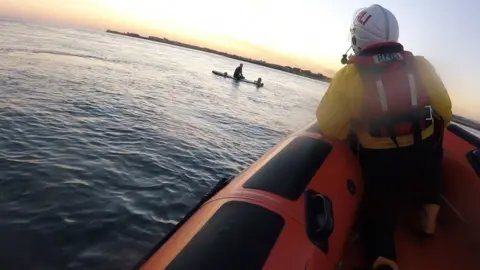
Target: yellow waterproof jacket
(342,104)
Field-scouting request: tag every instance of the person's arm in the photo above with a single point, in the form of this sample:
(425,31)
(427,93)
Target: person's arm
(439,97)
(333,114)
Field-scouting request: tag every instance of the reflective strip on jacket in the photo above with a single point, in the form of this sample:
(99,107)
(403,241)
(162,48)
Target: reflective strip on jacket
(343,101)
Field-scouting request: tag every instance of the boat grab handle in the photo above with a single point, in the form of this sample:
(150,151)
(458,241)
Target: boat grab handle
(318,218)
(474,160)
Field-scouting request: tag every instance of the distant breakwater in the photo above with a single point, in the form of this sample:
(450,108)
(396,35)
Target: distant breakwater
(292,70)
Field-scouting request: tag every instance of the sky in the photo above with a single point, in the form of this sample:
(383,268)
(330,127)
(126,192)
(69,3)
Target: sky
(311,34)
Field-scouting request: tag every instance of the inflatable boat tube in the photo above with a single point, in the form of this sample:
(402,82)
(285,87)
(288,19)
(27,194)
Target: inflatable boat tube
(295,208)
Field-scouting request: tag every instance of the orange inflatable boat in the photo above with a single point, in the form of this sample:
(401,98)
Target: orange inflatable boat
(296,207)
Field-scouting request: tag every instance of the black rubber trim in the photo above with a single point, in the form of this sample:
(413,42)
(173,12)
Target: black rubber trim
(290,171)
(239,235)
(473,158)
(219,186)
(465,135)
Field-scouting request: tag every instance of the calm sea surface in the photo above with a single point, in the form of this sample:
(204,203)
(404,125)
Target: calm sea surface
(107,141)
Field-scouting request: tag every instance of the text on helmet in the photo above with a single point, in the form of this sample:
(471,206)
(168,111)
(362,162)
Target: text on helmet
(363,17)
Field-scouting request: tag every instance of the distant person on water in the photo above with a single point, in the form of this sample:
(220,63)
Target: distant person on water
(397,108)
(238,74)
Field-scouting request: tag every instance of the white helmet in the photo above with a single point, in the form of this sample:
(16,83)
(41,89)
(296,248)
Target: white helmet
(372,25)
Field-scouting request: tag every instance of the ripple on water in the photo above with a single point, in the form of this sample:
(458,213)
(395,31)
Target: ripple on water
(108,141)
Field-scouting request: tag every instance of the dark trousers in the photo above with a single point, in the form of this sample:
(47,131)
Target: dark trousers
(394,178)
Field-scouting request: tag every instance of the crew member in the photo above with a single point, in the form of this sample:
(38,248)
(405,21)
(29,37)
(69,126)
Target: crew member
(397,108)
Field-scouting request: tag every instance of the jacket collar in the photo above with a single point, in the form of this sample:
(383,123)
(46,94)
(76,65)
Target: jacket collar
(382,48)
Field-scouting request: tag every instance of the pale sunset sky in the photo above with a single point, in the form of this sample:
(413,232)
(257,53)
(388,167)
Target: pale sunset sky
(311,34)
